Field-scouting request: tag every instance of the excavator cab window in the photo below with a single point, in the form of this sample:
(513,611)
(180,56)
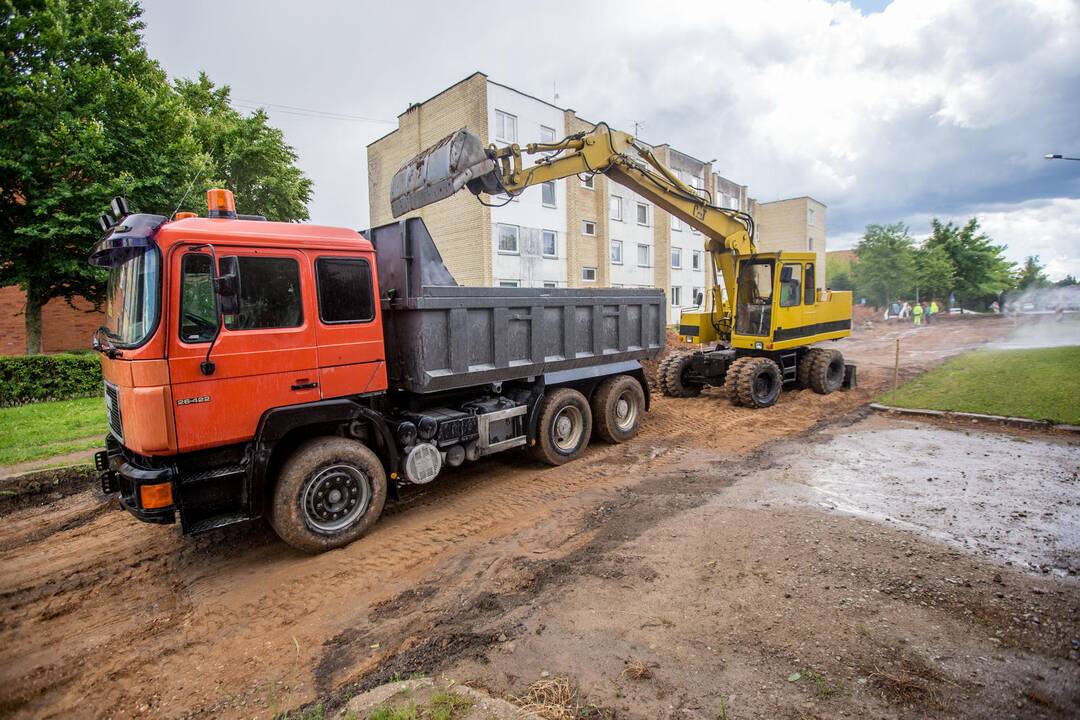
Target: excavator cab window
(753,311)
(790,295)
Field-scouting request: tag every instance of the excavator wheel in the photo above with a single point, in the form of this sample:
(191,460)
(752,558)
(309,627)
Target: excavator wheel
(825,370)
(758,382)
(672,372)
(731,379)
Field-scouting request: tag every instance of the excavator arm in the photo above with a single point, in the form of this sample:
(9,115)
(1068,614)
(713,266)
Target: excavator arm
(460,160)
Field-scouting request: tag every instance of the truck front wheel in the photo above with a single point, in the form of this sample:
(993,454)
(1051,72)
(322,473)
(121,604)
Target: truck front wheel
(617,407)
(564,427)
(329,492)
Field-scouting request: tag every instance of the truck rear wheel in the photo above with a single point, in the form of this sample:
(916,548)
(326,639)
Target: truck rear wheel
(672,376)
(617,407)
(824,370)
(564,427)
(758,382)
(329,492)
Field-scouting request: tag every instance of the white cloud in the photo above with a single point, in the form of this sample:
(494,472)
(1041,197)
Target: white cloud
(926,107)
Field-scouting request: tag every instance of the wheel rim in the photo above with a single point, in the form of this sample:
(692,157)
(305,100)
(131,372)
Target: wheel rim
(836,371)
(763,386)
(626,411)
(334,497)
(567,428)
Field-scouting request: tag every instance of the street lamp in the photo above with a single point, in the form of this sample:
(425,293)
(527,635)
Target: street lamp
(1059,157)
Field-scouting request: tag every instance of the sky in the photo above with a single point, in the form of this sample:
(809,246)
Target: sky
(885,111)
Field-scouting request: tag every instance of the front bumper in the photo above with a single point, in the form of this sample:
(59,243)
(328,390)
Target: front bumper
(121,477)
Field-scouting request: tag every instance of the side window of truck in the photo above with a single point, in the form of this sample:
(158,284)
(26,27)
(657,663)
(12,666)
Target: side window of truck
(269,294)
(198,306)
(345,290)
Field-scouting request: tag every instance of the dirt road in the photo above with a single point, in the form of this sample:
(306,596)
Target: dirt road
(104,616)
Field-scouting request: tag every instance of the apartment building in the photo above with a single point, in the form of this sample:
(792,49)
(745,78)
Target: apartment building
(577,232)
(793,224)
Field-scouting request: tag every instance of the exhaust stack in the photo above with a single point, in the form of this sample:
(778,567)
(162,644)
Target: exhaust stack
(459,159)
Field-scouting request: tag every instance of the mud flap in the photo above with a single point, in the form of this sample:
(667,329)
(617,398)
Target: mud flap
(849,378)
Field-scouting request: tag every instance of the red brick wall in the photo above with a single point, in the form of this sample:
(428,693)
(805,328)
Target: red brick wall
(62,327)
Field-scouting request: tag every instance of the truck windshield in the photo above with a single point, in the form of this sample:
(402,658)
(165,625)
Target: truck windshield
(133,296)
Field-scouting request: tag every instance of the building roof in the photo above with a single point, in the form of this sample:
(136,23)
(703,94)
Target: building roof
(797,197)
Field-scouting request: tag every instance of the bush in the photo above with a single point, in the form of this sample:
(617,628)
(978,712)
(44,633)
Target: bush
(34,378)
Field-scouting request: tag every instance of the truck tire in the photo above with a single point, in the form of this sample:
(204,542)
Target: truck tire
(759,382)
(617,407)
(564,427)
(731,379)
(672,376)
(825,370)
(329,492)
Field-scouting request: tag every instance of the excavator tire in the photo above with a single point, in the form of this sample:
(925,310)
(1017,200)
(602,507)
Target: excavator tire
(731,379)
(672,373)
(759,382)
(826,370)
(806,364)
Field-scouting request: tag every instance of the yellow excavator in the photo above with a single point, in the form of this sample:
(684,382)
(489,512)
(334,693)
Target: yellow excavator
(758,320)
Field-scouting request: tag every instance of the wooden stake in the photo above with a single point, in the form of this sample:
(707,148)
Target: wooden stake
(896,372)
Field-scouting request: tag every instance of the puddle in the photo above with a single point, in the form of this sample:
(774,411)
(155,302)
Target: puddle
(1013,499)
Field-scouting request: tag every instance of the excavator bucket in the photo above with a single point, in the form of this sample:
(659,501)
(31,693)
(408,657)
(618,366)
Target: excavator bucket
(459,159)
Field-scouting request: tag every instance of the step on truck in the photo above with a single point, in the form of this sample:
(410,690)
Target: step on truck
(302,373)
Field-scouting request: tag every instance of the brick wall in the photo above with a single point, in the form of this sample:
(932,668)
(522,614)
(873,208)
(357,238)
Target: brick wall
(62,327)
(782,225)
(460,225)
(585,204)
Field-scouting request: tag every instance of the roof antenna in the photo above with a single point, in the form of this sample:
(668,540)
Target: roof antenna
(191,185)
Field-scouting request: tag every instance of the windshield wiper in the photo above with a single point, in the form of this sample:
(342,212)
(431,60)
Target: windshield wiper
(107,348)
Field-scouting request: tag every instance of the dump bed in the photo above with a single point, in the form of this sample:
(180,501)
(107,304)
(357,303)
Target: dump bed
(441,336)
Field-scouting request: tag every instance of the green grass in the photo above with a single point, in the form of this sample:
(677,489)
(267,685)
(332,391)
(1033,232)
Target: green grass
(43,430)
(1042,384)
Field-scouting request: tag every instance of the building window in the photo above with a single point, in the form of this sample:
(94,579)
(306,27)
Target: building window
(676,258)
(549,284)
(643,255)
(810,243)
(589,182)
(547,135)
(616,252)
(508,283)
(810,217)
(508,239)
(505,127)
(642,214)
(550,242)
(696,260)
(548,193)
(676,296)
(615,207)
(588,274)
(588,227)
(676,224)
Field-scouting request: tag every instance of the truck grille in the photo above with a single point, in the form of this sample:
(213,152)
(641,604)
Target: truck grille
(112,409)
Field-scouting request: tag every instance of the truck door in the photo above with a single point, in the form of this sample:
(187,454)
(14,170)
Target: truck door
(264,355)
(351,355)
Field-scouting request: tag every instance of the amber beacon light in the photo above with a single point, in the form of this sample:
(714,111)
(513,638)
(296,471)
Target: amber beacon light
(220,203)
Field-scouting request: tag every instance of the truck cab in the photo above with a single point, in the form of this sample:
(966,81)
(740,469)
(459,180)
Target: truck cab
(242,356)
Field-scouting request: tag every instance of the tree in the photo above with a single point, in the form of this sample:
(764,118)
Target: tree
(87,115)
(246,155)
(1066,281)
(981,268)
(934,272)
(886,267)
(838,271)
(1031,275)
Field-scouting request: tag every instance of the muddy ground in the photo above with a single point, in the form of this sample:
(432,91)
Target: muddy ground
(807,560)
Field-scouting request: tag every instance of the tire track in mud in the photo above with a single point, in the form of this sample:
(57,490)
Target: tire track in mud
(95,613)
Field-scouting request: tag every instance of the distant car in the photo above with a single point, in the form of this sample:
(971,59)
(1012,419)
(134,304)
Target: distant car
(1027,307)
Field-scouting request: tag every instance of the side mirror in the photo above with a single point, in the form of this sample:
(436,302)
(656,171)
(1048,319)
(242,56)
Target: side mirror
(227,285)
(699,298)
